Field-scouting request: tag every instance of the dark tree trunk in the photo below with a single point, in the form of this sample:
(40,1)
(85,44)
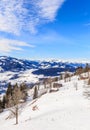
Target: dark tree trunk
(16,115)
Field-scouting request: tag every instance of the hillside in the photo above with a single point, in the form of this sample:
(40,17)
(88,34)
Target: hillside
(67,109)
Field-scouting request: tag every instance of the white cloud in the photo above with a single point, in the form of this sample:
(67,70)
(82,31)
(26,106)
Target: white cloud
(48,8)
(17,15)
(8,45)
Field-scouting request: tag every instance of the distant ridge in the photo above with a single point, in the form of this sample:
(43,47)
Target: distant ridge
(42,67)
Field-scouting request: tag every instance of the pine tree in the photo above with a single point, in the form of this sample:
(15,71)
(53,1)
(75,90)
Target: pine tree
(4,102)
(23,89)
(35,95)
(9,89)
(61,76)
(1,109)
(9,96)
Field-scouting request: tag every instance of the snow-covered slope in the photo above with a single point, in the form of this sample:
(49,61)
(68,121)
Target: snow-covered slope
(66,109)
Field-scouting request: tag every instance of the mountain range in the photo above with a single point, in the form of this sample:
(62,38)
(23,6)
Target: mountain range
(21,70)
(47,68)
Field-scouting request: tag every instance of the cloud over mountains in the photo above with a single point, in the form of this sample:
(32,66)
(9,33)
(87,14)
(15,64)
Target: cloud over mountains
(8,45)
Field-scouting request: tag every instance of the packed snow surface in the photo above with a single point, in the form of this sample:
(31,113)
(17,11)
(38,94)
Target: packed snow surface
(67,109)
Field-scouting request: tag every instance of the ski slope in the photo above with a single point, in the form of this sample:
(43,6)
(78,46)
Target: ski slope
(67,109)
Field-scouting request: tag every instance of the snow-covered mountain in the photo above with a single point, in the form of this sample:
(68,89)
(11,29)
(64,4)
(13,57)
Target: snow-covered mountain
(17,65)
(18,70)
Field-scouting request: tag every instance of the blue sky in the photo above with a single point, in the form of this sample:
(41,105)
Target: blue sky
(45,29)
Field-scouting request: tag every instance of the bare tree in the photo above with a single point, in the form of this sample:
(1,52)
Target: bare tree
(67,77)
(38,85)
(50,82)
(45,82)
(16,97)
